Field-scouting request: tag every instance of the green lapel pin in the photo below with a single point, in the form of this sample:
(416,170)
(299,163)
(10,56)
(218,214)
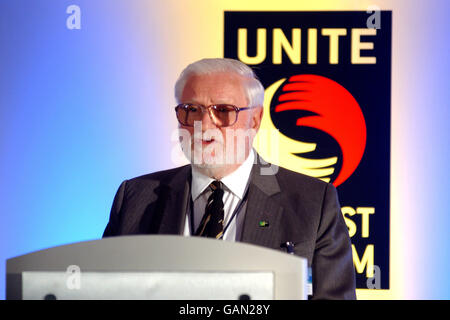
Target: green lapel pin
(264,223)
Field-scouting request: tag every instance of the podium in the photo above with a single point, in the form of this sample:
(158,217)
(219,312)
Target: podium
(157,267)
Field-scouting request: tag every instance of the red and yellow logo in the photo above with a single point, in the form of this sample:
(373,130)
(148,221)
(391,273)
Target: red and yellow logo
(331,109)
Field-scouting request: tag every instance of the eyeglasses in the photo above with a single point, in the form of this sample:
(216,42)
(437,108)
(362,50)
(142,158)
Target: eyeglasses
(222,115)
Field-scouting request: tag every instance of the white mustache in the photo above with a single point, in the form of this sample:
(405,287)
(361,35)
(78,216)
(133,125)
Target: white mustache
(214,135)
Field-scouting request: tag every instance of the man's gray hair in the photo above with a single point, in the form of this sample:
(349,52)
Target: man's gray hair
(253,87)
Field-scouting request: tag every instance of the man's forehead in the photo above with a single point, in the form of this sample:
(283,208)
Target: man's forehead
(217,86)
(226,78)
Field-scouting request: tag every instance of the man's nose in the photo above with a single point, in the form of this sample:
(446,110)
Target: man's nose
(207,122)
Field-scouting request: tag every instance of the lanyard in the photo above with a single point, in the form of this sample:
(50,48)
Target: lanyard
(234,215)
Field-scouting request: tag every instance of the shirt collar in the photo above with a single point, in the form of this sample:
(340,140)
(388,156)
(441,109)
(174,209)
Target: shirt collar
(236,181)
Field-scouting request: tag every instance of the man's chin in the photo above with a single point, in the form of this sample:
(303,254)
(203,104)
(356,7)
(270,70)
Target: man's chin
(209,164)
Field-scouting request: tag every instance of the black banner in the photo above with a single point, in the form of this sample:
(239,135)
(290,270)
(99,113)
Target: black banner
(328,84)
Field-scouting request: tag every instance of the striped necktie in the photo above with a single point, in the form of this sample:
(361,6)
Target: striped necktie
(211,225)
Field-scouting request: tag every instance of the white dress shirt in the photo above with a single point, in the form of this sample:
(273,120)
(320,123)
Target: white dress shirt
(235,186)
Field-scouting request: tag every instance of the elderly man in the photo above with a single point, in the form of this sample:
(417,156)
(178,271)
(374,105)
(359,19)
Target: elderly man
(225,194)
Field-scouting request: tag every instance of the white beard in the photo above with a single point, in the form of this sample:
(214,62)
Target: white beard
(216,157)
(209,159)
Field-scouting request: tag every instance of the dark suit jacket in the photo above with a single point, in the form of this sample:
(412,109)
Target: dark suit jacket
(299,209)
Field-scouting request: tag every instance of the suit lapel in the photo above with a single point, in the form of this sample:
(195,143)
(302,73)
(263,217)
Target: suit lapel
(176,202)
(263,214)
(261,207)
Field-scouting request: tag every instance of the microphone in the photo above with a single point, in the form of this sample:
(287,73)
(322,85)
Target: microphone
(289,245)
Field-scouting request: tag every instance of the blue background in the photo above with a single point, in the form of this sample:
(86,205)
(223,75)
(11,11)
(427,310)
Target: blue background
(82,110)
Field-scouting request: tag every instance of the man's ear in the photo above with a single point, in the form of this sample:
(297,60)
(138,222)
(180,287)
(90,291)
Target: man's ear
(257,117)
